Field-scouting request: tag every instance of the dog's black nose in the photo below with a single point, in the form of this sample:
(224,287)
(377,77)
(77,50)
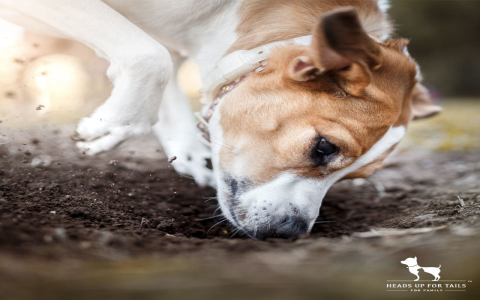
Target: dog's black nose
(288,228)
(291,227)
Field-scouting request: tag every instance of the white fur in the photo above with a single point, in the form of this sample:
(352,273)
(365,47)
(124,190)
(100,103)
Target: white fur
(177,137)
(290,190)
(217,146)
(140,67)
(134,37)
(384,5)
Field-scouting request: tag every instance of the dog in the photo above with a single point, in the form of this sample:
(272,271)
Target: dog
(298,94)
(413,267)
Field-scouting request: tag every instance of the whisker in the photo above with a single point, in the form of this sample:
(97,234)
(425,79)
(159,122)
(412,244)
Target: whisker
(324,222)
(186,176)
(217,209)
(216,224)
(234,233)
(226,152)
(209,198)
(221,141)
(209,218)
(231,147)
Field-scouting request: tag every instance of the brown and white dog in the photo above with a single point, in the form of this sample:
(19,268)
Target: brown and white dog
(331,96)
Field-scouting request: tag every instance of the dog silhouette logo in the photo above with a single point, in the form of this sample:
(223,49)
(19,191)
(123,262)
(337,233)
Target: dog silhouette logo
(413,267)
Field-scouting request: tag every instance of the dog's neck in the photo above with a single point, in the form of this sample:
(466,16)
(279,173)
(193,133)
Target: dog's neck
(240,63)
(231,71)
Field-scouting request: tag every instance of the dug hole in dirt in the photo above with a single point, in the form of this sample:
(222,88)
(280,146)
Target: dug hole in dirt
(125,224)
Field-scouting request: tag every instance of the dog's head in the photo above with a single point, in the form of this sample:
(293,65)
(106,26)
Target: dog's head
(411,261)
(316,114)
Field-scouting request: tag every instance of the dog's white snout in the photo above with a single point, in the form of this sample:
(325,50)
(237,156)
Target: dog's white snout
(285,207)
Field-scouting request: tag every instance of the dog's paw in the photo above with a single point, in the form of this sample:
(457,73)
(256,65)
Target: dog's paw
(195,165)
(97,134)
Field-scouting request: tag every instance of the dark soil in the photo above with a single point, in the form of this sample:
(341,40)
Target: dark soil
(130,204)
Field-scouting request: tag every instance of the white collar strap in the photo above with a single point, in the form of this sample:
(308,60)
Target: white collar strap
(239,63)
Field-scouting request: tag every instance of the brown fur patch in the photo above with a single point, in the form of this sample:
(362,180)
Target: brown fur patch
(267,21)
(302,111)
(274,118)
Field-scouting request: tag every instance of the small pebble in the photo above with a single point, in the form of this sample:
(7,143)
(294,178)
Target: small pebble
(144,223)
(60,234)
(171,159)
(43,160)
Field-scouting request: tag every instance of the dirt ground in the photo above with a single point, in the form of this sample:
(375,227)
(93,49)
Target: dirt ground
(125,225)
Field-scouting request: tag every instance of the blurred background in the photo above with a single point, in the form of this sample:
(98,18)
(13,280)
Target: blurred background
(445,41)
(59,80)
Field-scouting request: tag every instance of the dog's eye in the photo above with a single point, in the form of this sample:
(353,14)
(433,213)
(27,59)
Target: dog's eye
(323,152)
(325,148)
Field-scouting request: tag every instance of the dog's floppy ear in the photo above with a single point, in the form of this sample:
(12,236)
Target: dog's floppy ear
(341,45)
(422,105)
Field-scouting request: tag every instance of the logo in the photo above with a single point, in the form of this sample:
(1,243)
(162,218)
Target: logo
(413,267)
(430,281)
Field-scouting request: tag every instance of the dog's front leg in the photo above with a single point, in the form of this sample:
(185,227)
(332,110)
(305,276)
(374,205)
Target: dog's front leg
(177,130)
(140,67)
